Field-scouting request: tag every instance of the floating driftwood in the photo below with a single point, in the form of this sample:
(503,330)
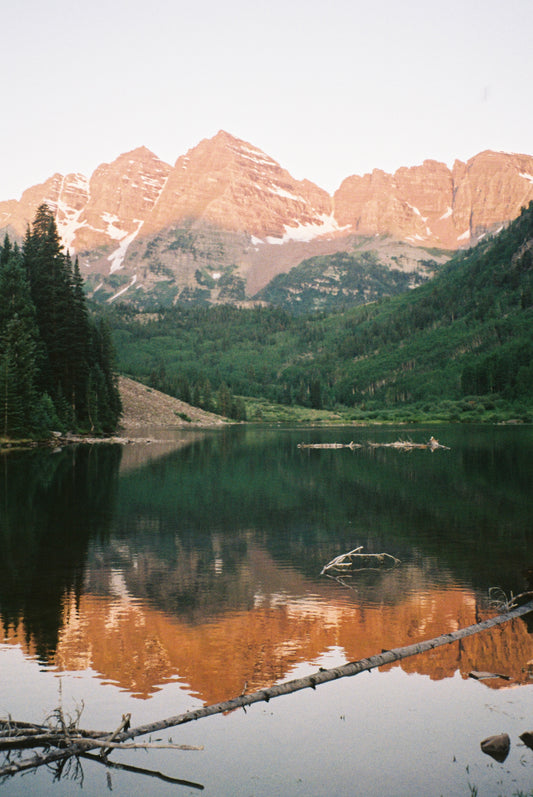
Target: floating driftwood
(351,445)
(355,560)
(407,445)
(402,445)
(78,743)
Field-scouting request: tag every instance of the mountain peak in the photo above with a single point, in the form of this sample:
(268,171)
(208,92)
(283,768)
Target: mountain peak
(138,155)
(226,204)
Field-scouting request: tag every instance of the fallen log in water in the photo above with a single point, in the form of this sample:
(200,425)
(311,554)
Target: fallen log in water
(351,445)
(324,676)
(407,445)
(63,742)
(80,743)
(402,445)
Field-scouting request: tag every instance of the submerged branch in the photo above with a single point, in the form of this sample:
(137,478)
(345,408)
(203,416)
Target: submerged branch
(366,561)
(141,771)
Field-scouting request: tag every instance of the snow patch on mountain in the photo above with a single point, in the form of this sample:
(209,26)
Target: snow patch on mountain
(116,258)
(255,155)
(307,232)
(78,182)
(68,224)
(67,217)
(416,211)
(282,192)
(112,230)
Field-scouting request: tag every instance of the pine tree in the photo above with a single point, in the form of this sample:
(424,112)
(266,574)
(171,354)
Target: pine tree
(49,279)
(18,346)
(77,346)
(56,365)
(224,401)
(103,396)
(184,389)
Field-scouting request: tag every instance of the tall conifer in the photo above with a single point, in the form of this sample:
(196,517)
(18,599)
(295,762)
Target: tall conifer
(18,347)
(74,364)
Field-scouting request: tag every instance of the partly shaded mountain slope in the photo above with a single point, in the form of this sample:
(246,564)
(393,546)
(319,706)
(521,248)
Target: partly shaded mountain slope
(465,334)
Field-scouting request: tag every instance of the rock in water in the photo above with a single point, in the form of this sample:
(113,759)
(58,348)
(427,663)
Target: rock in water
(527,738)
(497,746)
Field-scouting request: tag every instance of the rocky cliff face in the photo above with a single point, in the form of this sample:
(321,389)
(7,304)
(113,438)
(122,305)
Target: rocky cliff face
(226,218)
(433,205)
(235,187)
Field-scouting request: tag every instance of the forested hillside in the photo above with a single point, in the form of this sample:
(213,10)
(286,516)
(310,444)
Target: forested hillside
(458,347)
(56,363)
(335,282)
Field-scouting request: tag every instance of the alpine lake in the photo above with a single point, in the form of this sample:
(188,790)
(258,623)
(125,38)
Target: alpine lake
(154,578)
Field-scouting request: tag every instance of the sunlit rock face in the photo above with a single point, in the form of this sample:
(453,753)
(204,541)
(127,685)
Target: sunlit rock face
(435,205)
(227,218)
(235,186)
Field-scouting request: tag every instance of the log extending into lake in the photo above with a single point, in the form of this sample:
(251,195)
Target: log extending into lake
(81,741)
(323,676)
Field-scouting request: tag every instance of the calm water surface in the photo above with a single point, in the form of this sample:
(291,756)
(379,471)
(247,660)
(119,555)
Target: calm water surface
(156,578)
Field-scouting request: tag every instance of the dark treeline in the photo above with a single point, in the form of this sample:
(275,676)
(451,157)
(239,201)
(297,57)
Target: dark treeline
(56,363)
(462,343)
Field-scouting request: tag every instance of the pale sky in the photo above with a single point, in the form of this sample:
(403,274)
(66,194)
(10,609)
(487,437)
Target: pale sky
(328,89)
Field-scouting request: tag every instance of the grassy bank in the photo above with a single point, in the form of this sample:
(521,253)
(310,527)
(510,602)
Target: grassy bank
(468,410)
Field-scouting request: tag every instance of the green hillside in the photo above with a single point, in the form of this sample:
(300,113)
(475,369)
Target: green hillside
(457,347)
(335,282)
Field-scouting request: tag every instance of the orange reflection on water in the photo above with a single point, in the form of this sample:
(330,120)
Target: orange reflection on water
(140,648)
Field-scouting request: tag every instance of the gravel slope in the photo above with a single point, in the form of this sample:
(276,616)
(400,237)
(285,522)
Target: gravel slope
(145,407)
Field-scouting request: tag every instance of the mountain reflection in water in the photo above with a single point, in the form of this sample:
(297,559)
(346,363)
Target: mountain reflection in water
(202,565)
(140,649)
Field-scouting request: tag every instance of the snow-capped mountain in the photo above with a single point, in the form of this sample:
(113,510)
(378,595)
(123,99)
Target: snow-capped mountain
(226,218)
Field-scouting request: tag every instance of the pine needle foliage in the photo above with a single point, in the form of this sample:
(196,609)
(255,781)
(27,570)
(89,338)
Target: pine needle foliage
(56,363)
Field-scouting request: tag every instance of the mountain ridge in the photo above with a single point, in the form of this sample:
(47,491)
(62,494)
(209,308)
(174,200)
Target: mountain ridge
(226,218)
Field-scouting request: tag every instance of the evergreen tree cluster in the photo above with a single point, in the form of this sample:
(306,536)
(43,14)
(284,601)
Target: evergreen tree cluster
(199,393)
(56,363)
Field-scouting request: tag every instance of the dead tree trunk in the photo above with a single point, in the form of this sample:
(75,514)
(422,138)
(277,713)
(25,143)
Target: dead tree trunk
(323,676)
